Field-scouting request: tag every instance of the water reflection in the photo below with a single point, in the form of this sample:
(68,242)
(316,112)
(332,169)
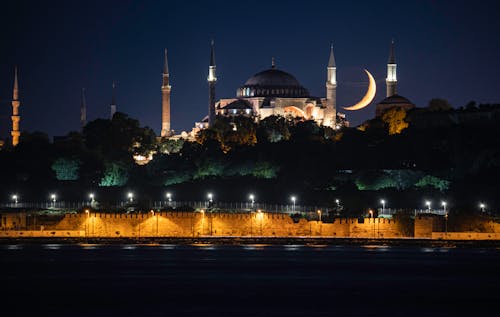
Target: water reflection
(52,246)
(89,246)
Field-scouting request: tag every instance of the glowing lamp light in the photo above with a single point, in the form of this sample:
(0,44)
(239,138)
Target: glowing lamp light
(53,197)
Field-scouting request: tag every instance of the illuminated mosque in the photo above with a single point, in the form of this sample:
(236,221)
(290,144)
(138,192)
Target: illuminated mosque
(276,92)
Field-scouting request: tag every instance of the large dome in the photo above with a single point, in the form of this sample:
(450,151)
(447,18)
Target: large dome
(272,83)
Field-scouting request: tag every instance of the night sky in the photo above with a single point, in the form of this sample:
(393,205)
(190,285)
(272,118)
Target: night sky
(445,49)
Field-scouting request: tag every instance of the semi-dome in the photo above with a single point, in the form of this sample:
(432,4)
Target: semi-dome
(272,83)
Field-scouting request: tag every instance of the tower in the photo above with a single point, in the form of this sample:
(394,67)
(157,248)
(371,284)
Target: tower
(165,100)
(113,101)
(83,110)
(15,112)
(391,81)
(212,79)
(331,92)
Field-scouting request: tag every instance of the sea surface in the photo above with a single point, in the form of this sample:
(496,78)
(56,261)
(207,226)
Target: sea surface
(247,280)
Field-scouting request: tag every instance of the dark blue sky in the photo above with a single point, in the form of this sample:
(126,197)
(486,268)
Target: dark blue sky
(446,49)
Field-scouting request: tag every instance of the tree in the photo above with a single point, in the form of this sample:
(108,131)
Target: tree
(119,138)
(438,104)
(66,169)
(115,174)
(395,120)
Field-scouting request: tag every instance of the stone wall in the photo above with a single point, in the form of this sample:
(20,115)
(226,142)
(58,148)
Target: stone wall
(188,224)
(465,236)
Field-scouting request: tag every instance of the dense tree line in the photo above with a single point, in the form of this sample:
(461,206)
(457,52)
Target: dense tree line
(400,156)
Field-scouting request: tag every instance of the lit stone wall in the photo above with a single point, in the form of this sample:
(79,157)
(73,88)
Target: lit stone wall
(187,224)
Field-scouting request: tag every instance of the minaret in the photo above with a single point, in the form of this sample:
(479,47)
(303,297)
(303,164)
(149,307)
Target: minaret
(391,81)
(331,92)
(165,100)
(15,112)
(113,102)
(83,110)
(212,79)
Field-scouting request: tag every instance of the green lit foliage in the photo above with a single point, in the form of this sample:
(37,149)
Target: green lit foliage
(264,169)
(395,120)
(115,174)
(373,180)
(433,181)
(66,169)
(209,167)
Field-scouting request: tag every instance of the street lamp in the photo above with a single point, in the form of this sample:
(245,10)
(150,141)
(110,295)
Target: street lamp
(169,197)
(428,204)
(382,201)
(210,197)
(91,196)
(371,213)
(53,197)
(319,215)
(482,206)
(130,196)
(443,203)
(252,199)
(14,198)
(293,201)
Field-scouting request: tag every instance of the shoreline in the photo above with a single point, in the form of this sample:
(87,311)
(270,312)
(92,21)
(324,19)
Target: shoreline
(228,241)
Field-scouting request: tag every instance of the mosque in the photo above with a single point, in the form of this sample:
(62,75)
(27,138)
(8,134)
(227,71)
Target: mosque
(269,92)
(277,92)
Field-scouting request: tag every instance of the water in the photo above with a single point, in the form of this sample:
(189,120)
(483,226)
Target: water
(247,280)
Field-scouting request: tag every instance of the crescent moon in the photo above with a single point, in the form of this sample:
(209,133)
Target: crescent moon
(370,94)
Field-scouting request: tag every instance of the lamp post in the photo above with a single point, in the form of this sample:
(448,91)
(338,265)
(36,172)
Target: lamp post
(53,197)
(91,196)
(428,204)
(319,215)
(87,223)
(482,206)
(252,200)
(371,213)
(382,201)
(293,198)
(210,197)
(14,198)
(443,203)
(130,196)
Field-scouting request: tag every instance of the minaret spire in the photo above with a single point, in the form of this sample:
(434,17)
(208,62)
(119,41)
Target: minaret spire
(330,117)
(83,110)
(113,101)
(331,60)
(212,79)
(165,100)
(391,81)
(16,118)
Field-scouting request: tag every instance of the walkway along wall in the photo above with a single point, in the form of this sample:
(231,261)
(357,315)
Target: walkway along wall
(189,224)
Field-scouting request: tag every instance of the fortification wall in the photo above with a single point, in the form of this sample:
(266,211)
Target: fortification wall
(188,224)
